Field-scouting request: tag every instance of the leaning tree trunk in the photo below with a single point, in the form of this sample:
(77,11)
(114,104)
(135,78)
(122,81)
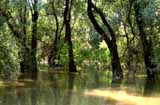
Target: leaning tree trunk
(146,44)
(67,18)
(109,39)
(33,67)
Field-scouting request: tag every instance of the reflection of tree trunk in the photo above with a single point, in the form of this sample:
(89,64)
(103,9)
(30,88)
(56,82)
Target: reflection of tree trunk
(109,39)
(8,99)
(149,87)
(56,89)
(67,22)
(146,43)
(96,76)
(22,93)
(34,92)
(34,96)
(34,37)
(116,83)
(21,96)
(68,95)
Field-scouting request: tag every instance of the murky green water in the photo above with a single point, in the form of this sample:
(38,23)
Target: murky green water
(80,89)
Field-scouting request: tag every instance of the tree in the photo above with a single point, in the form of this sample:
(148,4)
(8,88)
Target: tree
(19,32)
(54,55)
(34,36)
(146,42)
(67,23)
(18,27)
(109,39)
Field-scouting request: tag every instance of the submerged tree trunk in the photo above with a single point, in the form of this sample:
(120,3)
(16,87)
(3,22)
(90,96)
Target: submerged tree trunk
(33,53)
(109,39)
(146,43)
(67,18)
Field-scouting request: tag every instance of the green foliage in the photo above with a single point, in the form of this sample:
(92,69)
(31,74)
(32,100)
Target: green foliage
(87,43)
(94,39)
(150,12)
(9,61)
(2,21)
(63,54)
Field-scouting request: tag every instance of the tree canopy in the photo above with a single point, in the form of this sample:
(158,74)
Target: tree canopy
(121,35)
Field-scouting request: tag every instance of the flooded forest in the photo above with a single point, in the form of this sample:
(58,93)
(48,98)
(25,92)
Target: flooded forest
(79,52)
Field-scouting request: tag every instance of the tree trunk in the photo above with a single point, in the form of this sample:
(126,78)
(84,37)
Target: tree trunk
(25,59)
(33,67)
(67,18)
(116,67)
(72,67)
(146,44)
(25,51)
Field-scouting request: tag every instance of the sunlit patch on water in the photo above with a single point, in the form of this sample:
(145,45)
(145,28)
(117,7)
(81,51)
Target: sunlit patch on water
(123,98)
(16,83)
(11,83)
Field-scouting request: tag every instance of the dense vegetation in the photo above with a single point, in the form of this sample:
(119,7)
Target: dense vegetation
(117,35)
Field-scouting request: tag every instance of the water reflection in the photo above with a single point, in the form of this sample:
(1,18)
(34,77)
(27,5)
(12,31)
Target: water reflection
(73,89)
(116,83)
(152,87)
(149,87)
(68,94)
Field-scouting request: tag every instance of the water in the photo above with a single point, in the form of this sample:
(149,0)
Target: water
(58,88)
